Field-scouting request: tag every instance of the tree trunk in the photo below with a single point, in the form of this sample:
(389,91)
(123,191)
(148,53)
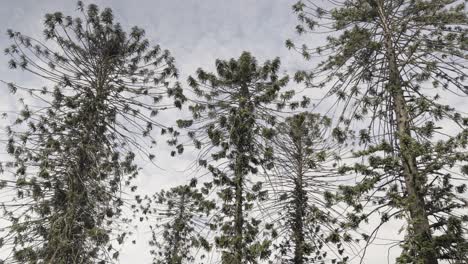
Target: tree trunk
(178,226)
(419,221)
(299,202)
(239,219)
(243,141)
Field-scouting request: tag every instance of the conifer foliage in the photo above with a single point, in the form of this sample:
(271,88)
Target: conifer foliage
(304,176)
(74,148)
(179,220)
(233,116)
(392,66)
(278,185)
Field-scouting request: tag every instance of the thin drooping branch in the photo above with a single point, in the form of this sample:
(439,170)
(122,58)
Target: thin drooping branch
(74,154)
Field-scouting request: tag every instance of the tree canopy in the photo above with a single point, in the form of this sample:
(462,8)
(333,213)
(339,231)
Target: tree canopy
(309,169)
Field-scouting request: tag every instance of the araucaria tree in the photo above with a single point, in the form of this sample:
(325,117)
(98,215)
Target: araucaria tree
(393,66)
(179,219)
(74,149)
(235,113)
(303,178)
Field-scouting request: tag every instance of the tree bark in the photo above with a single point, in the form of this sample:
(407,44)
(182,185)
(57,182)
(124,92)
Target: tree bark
(299,208)
(239,218)
(419,221)
(242,146)
(178,226)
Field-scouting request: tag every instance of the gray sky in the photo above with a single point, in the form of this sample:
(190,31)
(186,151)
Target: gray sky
(196,32)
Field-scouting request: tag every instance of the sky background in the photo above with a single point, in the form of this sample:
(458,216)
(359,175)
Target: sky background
(197,32)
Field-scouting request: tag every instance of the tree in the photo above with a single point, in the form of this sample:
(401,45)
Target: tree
(178,219)
(74,151)
(303,179)
(233,116)
(390,61)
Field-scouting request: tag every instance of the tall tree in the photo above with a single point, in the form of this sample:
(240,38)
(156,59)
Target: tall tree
(178,220)
(74,147)
(394,61)
(303,178)
(233,116)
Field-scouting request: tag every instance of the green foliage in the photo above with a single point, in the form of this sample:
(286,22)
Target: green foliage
(73,155)
(236,114)
(388,64)
(302,181)
(178,219)
(276,180)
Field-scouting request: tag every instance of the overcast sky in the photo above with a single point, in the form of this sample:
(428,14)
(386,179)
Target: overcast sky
(196,32)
